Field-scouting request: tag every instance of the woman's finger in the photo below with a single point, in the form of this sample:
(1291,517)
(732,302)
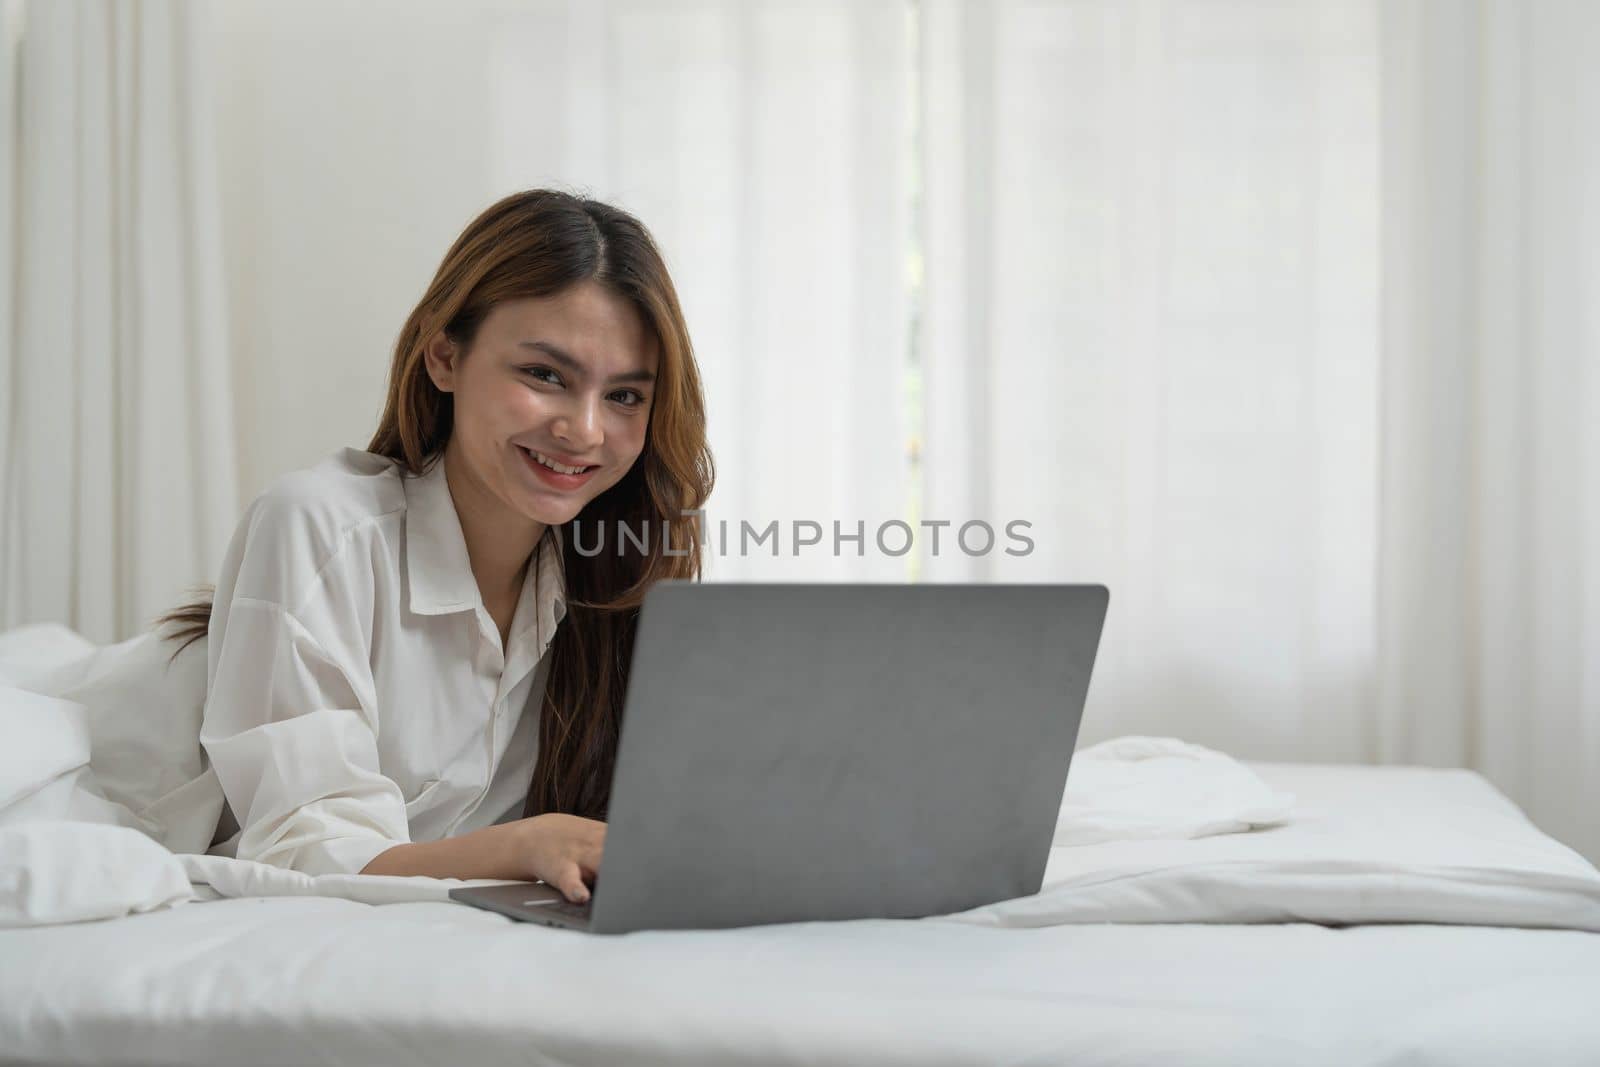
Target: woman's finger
(570,882)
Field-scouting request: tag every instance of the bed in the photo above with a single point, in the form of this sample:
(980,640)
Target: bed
(1403,916)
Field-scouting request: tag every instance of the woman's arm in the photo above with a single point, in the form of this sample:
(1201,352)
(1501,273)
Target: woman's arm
(290,723)
(561,850)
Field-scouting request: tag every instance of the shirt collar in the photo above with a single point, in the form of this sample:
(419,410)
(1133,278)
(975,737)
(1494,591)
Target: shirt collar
(439,572)
(543,602)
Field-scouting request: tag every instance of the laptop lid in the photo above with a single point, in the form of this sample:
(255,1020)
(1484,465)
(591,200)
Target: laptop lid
(799,752)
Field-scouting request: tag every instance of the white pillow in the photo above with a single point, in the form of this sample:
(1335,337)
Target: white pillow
(143,720)
(61,872)
(1362,845)
(32,652)
(46,739)
(66,852)
(1160,787)
(44,771)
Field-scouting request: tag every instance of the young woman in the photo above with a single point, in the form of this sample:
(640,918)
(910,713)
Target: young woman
(410,668)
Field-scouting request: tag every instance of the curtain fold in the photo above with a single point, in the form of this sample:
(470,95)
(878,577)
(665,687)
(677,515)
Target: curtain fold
(11,19)
(1279,320)
(1490,540)
(1151,234)
(767,146)
(118,454)
(1276,318)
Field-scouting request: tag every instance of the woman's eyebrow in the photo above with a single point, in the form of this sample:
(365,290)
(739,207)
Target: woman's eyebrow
(563,357)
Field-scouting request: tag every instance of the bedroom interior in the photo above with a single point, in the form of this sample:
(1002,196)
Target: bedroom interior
(1276,319)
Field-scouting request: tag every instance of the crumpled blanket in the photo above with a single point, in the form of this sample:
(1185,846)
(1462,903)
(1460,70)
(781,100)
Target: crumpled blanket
(1150,830)
(1159,787)
(68,853)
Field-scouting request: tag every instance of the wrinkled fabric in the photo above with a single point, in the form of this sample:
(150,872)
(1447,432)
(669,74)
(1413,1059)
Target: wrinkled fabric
(351,694)
(358,693)
(1161,787)
(65,872)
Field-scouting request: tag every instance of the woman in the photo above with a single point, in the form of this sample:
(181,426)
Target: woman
(410,670)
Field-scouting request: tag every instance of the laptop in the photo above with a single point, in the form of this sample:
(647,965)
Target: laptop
(793,753)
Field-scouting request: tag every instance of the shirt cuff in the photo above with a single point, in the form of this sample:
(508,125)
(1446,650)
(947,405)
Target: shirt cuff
(342,855)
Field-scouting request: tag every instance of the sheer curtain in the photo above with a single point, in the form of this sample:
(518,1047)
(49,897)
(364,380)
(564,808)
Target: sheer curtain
(1490,569)
(764,142)
(1278,320)
(767,146)
(116,443)
(1150,235)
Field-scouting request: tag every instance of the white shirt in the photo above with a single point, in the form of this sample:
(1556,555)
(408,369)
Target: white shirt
(358,696)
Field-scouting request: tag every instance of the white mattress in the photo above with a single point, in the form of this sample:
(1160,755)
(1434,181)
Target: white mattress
(306,979)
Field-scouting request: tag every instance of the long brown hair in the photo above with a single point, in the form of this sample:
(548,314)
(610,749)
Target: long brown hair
(535,244)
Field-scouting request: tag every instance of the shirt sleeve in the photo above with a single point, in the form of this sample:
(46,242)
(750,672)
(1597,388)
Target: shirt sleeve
(289,722)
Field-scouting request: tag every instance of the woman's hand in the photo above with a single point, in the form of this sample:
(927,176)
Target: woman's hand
(560,850)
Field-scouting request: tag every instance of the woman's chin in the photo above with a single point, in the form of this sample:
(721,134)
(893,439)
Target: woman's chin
(550,515)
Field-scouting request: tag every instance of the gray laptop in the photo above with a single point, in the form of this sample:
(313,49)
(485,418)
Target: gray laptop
(802,752)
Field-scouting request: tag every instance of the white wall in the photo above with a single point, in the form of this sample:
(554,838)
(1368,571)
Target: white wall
(342,188)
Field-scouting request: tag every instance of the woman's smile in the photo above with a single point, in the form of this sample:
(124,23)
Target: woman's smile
(554,474)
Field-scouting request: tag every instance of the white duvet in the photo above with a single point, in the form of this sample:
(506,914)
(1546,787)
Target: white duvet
(313,979)
(1132,957)
(1151,830)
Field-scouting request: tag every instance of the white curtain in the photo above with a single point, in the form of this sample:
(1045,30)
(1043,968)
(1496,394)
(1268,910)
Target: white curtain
(1279,320)
(764,142)
(767,146)
(1150,331)
(1489,576)
(1276,318)
(116,446)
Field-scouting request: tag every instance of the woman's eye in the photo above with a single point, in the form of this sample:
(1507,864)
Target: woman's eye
(631,398)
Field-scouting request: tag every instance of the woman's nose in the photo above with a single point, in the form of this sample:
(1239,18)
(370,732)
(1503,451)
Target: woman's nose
(580,425)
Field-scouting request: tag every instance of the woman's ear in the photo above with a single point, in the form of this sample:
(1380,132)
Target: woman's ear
(440,355)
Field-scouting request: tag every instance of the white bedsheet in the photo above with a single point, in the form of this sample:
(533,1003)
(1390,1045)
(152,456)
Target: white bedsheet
(1149,830)
(1350,845)
(297,979)
(295,970)
(1363,845)
(320,981)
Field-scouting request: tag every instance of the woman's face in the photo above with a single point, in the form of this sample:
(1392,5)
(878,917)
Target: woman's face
(564,380)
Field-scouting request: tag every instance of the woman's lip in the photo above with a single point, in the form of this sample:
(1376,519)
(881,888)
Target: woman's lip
(557,457)
(555,478)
